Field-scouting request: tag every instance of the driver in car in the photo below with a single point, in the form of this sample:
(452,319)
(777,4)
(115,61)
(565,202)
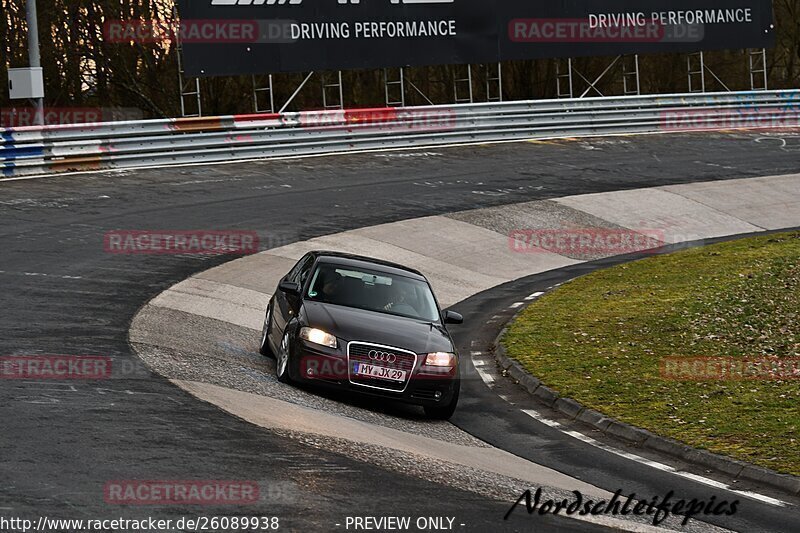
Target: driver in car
(399,300)
(329,285)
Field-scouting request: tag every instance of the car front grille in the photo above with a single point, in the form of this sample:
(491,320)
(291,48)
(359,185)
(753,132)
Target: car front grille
(403,360)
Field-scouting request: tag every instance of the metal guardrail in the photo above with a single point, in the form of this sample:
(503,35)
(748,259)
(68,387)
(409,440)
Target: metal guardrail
(38,150)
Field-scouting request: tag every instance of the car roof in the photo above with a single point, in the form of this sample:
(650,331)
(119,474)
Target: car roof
(361,261)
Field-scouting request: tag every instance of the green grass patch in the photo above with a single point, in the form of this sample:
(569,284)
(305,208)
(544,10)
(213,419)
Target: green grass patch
(600,339)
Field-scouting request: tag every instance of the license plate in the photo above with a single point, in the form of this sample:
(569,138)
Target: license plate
(379,372)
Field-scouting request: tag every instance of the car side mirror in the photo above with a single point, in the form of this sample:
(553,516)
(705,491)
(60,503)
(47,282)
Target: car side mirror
(289,287)
(451,317)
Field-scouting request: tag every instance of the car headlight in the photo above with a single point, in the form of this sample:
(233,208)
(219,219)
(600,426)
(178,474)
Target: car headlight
(317,336)
(442,359)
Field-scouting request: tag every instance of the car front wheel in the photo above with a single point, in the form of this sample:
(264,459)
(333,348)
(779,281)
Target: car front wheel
(282,360)
(444,412)
(264,348)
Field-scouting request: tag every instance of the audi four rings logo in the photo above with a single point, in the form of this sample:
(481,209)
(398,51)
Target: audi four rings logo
(296,2)
(384,357)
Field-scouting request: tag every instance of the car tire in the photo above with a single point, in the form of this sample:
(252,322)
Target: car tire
(282,360)
(264,348)
(444,412)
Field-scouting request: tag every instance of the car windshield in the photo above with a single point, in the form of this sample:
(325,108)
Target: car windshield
(374,291)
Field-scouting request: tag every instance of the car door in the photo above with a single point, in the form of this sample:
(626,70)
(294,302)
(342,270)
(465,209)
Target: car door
(286,305)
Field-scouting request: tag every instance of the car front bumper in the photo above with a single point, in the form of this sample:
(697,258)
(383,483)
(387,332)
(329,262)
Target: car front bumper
(331,370)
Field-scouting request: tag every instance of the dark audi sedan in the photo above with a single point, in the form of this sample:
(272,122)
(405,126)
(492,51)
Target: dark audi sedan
(366,325)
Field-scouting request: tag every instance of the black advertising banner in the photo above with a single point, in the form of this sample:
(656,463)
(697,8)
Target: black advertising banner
(229,37)
(612,27)
(302,35)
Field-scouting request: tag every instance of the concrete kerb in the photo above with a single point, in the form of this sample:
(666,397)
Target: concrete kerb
(634,435)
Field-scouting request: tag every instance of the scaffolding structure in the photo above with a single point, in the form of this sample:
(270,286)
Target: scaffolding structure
(189,88)
(332,94)
(462,79)
(262,88)
(394,87)
(566,73)
(756,65)
(397,82)
(757,61)
(494,78)
(697,70)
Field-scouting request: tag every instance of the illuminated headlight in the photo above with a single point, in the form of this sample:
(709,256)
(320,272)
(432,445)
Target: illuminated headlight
(443,359)
(317,336)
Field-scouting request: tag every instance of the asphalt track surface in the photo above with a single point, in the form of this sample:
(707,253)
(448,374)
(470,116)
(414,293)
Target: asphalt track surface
(63,294)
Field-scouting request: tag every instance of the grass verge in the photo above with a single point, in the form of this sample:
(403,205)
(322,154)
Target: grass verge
(603,340)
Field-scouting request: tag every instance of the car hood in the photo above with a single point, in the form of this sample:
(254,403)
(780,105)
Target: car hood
(350,324)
